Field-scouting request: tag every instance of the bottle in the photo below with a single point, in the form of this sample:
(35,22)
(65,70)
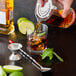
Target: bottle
(6,17)
(51,13)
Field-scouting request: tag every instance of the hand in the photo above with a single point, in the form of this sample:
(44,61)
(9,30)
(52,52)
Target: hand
(42,2)
(66,5)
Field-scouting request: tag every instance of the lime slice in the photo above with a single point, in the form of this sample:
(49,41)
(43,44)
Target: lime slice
(42,34)
(21,19)
(26,27)
(12,68)
(2,73)
(16,74)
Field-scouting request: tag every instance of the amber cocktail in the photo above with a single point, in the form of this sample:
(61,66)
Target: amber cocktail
(37,41)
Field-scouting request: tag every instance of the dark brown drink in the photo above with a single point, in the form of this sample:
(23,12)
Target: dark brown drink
(58,21)
(37,43)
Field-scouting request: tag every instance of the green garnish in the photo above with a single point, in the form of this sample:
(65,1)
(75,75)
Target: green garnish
(58,57)
(25,26)
(12,68)
(49,53)
(42,34)
(2,72)
(16,74)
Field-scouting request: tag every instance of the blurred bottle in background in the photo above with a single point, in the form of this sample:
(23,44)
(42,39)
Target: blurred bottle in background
(6,17)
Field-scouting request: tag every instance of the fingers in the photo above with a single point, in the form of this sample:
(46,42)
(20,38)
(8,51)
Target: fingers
(67,5)
(45,0)
(65,12)
(42,2)
(61,1)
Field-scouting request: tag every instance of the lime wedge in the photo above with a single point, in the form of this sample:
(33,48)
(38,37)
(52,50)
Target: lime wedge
(16,74)
(21,19)
(26,27)
(2,73)
(41,34)
(12,68)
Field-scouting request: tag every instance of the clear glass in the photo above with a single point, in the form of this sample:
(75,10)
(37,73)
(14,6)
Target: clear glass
(37,42)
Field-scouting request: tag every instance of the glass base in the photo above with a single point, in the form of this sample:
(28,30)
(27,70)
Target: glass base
(36,52)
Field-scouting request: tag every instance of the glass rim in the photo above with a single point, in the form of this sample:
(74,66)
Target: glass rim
(44,26)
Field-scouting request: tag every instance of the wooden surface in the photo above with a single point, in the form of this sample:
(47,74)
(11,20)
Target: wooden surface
(62,40)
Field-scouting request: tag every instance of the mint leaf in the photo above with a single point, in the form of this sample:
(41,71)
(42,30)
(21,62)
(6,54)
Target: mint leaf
(58,57)
(42,34)
(50,55)
(47,53)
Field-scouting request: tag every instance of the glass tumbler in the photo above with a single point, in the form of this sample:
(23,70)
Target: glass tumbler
(37,41)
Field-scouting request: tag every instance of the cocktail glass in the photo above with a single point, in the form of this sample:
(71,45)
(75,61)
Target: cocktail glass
(37,41)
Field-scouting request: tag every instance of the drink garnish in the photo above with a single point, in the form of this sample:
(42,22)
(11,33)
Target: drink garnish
(16,74)
(2,72)
(49,53)
(25,26)
(21,19)
(10,41)
(41,34)
(12,68)
(58,57)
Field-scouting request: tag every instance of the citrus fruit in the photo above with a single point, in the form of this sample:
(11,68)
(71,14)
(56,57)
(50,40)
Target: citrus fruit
(26,27)
(12,68)
(16,74)
(21,19)
(2,73)
(69,20)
